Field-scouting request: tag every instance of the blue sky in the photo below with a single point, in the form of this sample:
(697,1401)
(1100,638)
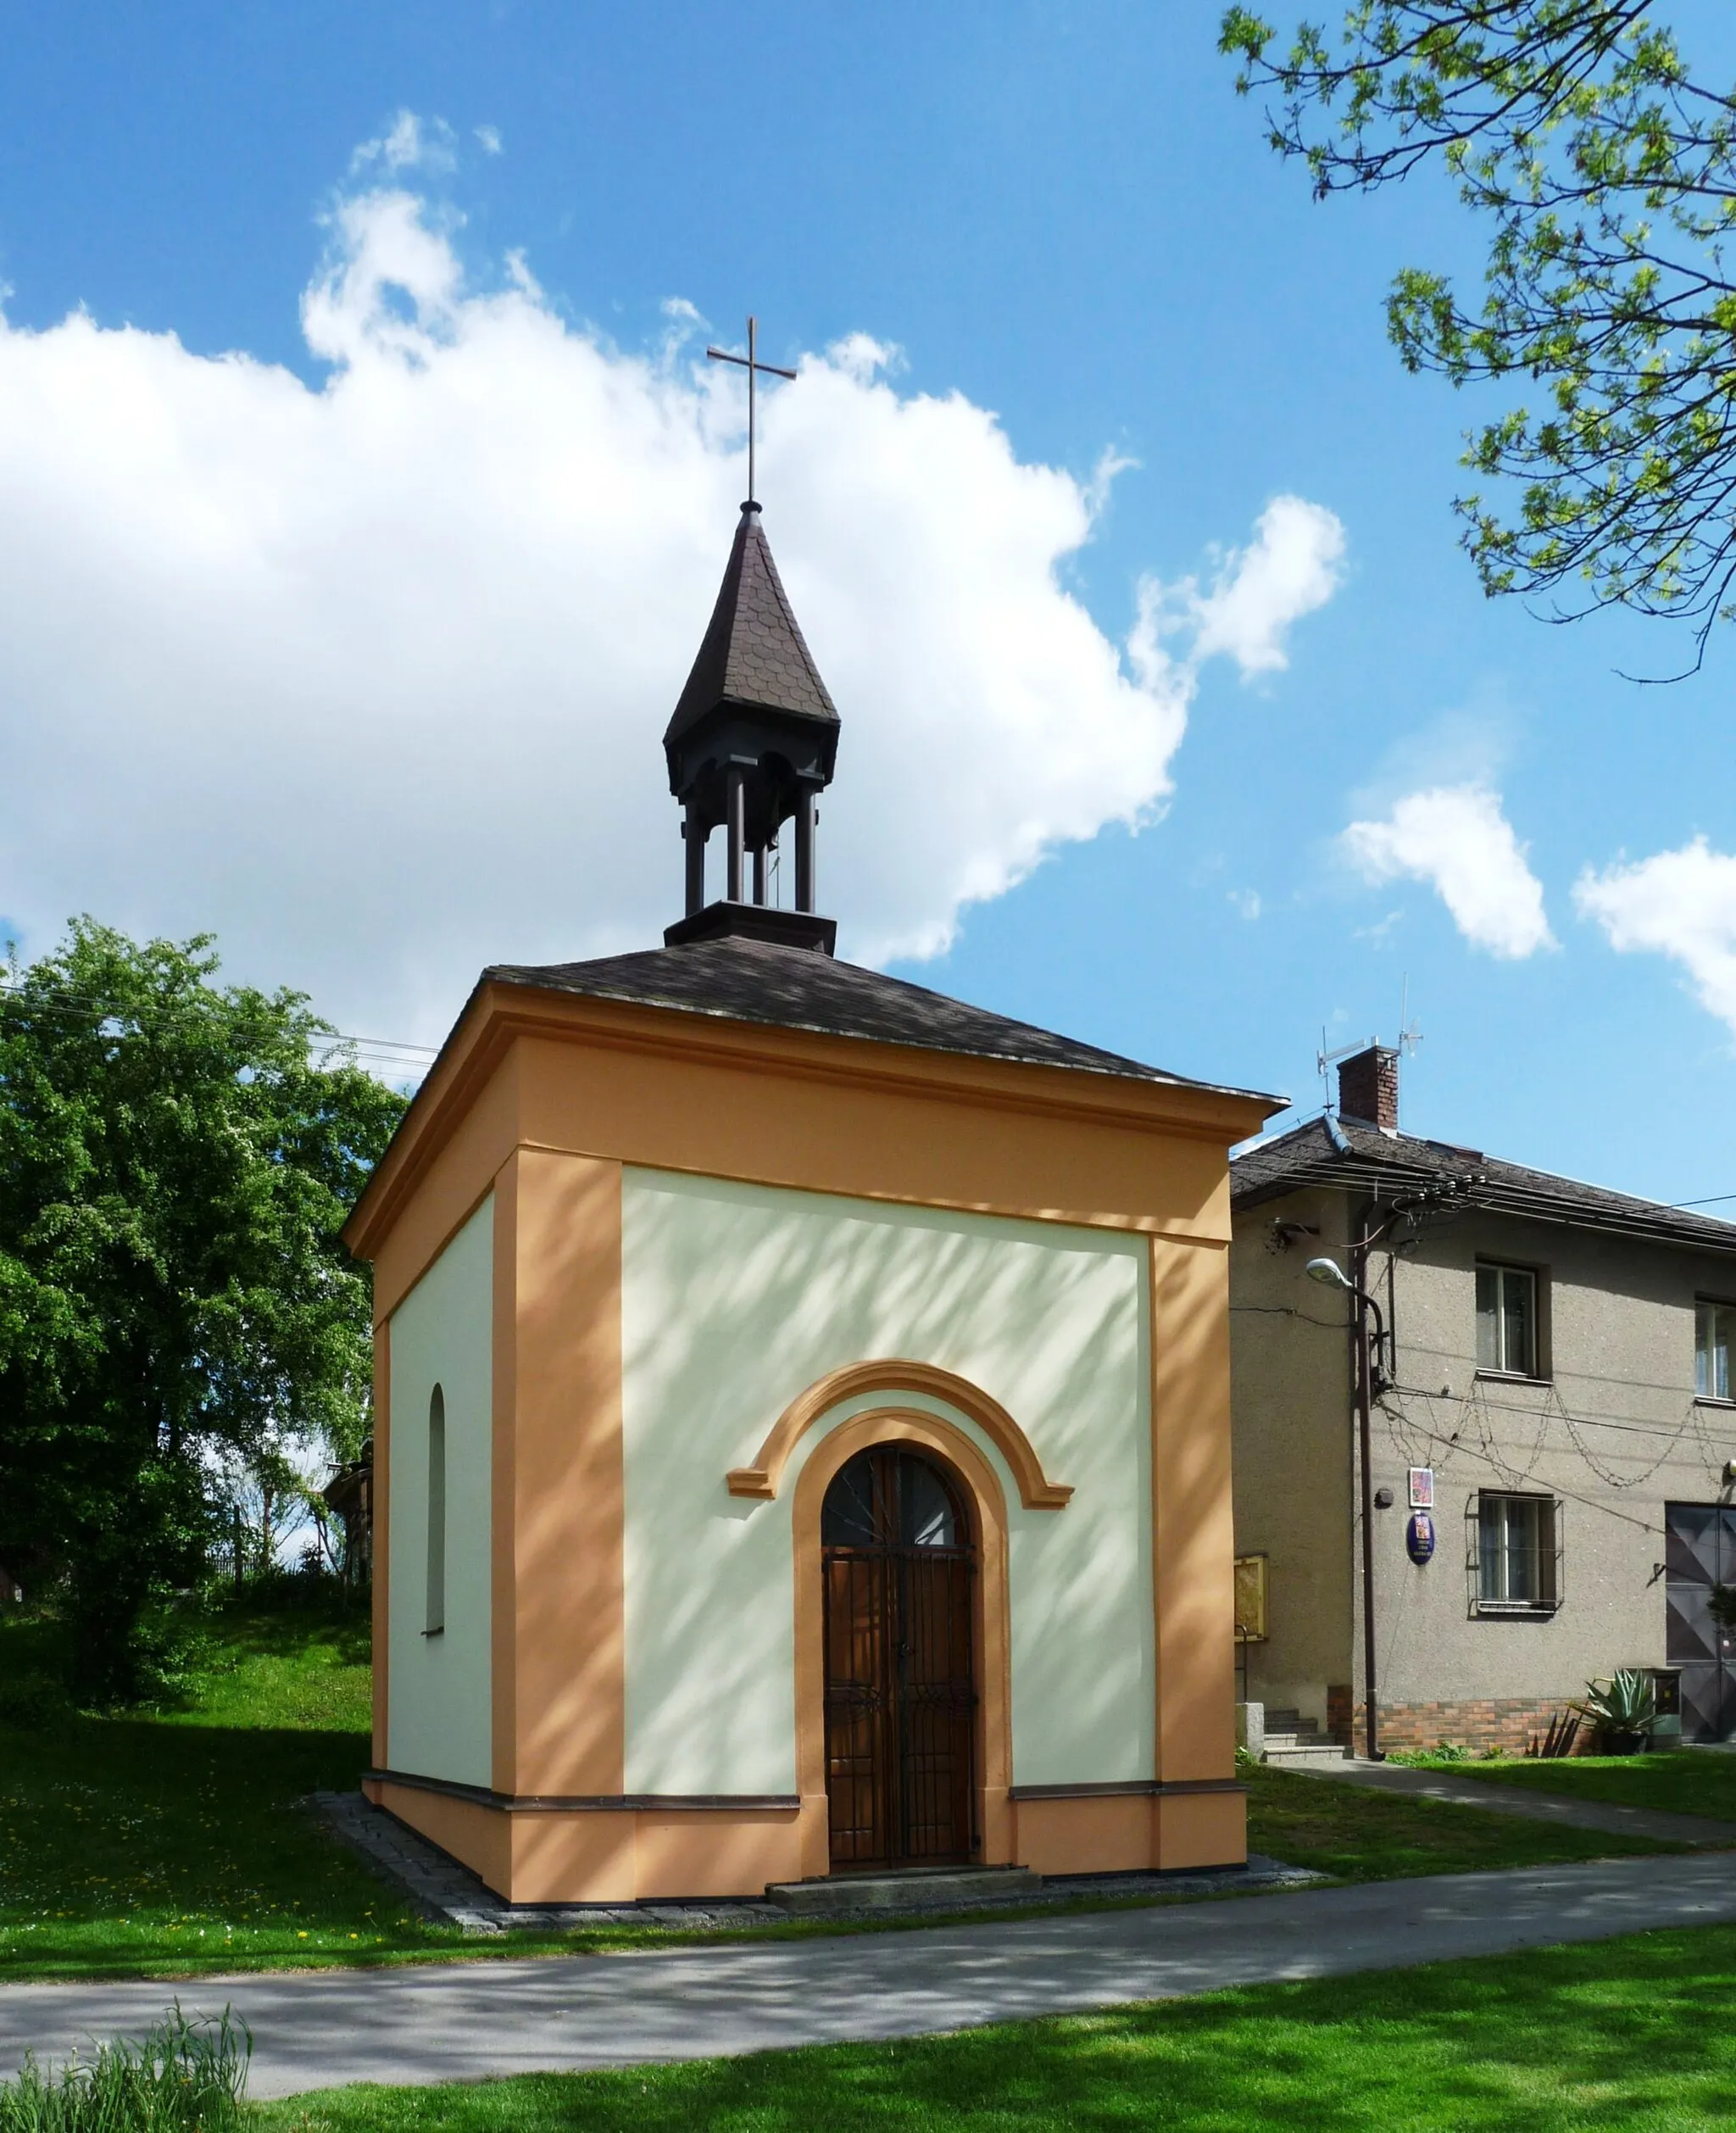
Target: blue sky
(1062,214)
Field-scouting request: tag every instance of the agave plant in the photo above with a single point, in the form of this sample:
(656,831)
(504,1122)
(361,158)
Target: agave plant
(1626,1703)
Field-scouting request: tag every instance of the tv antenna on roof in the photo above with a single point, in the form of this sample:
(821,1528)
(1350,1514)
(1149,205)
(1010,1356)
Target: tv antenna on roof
(1409,1032)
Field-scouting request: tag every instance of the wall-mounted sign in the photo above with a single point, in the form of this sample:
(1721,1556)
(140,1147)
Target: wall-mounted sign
(1250,1599)
(1419,1536)
(1422,1488)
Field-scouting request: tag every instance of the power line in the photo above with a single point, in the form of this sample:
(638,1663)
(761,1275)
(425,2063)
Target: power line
(1643,1424)
(80,1006)
(1591,1503)
(1633,1425)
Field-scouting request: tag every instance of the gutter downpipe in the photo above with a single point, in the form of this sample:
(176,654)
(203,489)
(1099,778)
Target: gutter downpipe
(1364,1380)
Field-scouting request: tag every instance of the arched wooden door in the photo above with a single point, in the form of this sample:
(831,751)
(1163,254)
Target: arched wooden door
(900,1696)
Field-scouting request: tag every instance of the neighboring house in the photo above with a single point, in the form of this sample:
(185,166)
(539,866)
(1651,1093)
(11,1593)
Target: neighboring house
(348,1495)
(1559,1366)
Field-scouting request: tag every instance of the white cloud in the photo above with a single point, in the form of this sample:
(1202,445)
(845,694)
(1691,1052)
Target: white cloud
(489,139)
(372,679)
(1456,839)
(1246,901)
(1680,904)
(1292,566)
(412,143)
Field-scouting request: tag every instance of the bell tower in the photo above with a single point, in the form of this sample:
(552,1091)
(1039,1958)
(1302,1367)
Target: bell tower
(751,747)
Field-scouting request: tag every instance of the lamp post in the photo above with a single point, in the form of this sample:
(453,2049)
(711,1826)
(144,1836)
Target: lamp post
(1330,1275)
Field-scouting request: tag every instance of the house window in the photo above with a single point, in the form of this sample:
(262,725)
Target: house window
(435,1618)
(1517,1551)
(1714,1337)
(1506,1321)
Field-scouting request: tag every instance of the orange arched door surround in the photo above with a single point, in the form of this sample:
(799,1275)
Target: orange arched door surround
(1036,1492)
(982,1507)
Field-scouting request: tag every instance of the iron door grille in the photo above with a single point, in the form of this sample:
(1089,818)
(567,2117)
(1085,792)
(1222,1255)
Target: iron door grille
(1699,1552)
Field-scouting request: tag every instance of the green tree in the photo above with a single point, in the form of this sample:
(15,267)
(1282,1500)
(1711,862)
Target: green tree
(175,1160)
(1606,175)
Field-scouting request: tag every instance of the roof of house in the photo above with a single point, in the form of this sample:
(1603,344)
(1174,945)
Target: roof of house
(1346,1156)
(753,651)
(756,981)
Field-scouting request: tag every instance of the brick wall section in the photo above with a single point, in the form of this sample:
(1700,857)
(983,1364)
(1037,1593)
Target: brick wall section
(1509,1724)
(1368,1087)
(1340,1712)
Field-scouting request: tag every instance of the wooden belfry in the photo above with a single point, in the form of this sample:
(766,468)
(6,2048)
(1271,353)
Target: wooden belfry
(753,740)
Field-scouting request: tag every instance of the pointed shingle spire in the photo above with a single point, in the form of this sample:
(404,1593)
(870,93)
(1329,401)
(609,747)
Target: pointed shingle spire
(751,746)
(753,652)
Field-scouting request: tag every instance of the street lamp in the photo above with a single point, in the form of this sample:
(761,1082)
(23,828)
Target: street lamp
(1330,1275)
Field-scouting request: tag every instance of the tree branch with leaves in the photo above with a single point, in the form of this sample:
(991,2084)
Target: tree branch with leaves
(176,1159)
(1606,175)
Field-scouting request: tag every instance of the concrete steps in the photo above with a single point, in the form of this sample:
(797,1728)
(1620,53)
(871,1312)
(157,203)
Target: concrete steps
(920,1888)
(1291,1740)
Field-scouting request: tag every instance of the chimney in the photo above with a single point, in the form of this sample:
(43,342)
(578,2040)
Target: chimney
(1368,1087)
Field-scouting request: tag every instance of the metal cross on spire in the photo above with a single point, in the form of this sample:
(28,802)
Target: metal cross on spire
(750,363)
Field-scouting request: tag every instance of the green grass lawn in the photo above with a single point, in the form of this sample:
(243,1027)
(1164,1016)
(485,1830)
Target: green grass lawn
(173,1842)
(1356,1834)
(1684,1781)
(1631,2033)
(170,1844)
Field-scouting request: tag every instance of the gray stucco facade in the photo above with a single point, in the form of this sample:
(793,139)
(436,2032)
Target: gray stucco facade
(1578,1458)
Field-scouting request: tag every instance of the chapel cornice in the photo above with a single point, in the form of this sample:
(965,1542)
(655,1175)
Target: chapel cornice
(499,1017)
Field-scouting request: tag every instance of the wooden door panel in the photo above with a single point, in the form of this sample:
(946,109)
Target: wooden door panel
(900,1701)
(938,1704)
(858,1705)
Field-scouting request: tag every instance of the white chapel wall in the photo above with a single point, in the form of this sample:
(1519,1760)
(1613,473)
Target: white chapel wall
(438,1720)
(735,1298)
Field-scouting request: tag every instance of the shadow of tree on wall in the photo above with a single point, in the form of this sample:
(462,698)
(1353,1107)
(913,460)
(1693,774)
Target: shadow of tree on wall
(737,1305)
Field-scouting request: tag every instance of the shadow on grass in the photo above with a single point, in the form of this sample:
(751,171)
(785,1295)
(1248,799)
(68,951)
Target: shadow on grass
(1631,2033)
(1682,1781)
(1359,1835)
(131,1842)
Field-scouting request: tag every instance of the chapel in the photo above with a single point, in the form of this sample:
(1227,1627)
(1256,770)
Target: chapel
(802,1430)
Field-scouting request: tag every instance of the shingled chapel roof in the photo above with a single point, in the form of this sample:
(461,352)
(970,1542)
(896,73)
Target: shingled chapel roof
(753,651)
(759,980)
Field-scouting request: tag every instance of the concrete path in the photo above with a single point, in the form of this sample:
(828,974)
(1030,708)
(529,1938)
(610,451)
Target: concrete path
(1602,1815)
(463,2021)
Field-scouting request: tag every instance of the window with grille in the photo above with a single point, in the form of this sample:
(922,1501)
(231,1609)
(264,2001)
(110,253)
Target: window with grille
(1714,1337)
(1518,1559)
(1506,1321)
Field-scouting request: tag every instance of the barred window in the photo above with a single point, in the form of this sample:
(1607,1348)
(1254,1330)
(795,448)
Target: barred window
(1518,1550)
